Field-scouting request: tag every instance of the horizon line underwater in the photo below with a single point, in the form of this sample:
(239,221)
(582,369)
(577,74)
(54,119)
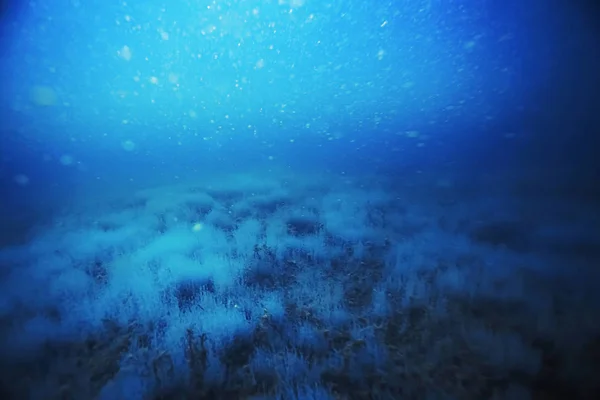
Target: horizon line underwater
(299,199)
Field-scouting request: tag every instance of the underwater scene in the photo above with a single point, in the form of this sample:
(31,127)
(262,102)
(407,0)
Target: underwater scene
(299,199)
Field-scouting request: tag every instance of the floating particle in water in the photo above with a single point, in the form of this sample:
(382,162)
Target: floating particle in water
(128,145)
(43,96)
(21,179)
(125,53)
(66,159)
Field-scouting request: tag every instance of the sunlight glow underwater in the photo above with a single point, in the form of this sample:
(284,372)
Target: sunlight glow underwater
(235,66)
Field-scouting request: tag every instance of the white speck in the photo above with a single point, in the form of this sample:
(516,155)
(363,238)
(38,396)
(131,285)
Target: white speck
(128,145)
(43,96)
(125,53)
(21,179)
(66,159)
(469,45)
(295,3)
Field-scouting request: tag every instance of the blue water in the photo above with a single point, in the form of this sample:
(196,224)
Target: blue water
(299,199)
